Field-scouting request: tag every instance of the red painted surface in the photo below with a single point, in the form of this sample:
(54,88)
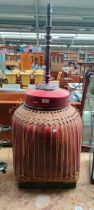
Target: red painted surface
(47,99)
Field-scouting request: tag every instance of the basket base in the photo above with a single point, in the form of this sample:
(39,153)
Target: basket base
(22,185)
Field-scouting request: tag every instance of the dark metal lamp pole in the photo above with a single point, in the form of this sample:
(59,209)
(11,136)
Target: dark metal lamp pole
(48,38)
(47,85)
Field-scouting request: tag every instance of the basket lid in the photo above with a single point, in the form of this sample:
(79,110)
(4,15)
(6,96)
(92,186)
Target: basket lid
(41,99)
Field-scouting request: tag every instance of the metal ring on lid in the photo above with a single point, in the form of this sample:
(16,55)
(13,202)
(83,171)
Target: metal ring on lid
(41,99)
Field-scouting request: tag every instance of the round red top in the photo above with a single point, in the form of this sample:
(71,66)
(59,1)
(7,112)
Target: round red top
(41,99)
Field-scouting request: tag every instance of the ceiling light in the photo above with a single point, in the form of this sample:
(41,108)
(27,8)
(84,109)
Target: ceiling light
(67,17)
(16,16)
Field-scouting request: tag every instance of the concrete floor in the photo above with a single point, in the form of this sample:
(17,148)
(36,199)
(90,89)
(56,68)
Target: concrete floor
(12,198)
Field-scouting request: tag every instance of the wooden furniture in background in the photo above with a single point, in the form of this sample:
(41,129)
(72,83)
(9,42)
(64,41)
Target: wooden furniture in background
(9,101)
(25,61)
(56,57)
(25,79)
(38,58)
(11,78)
(38,76)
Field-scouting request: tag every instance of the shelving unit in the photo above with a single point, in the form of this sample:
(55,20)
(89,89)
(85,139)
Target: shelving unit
(65,56)
(82,57)
(90,57)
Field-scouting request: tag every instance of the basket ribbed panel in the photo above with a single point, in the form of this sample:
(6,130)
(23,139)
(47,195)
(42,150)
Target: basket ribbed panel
(46,144)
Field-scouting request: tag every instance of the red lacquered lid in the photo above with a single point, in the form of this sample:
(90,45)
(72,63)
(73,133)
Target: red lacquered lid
(41,99)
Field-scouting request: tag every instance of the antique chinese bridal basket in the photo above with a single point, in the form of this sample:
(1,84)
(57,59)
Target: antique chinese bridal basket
(46,134)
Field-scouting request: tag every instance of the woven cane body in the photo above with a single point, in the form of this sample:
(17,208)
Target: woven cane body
(46,144)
